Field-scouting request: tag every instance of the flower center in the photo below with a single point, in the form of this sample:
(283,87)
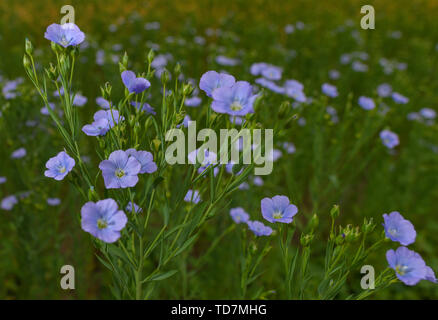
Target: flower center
(62,169)
(236,106)
(120,173)
(277,215)
(392,232)
(102,224)
(64,41)
(401,270)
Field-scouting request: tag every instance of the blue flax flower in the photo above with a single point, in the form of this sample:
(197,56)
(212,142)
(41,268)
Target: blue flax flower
(59,166)
(134,84)
(399,229)
(211,80)
(120,170)
(97,128)
(67,34)
(278,209)
(236,100)
(103,220)
(145,158)
(410,268)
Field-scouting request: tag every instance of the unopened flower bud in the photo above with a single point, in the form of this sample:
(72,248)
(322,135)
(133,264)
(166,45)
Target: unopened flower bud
(306,239)
(334,212)
(180,116)
(151,56)
(187,89)
(314,221)
(28,47)
(157,144)
(165,76)
(177,70)
(340,239)
(368,226)
(284,109)
(26,62)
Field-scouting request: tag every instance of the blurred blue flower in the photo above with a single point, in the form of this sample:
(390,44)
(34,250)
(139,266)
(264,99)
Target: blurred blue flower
(193,101)
(384,90)
(258,181)
(389,138)
(399,229)
(366,103)
(8,202)
(278,209)
(270,85)
(59,166)
(134,84)
(329,90)
(212,80)
(103,220)
(430,275)
(428,113)
(137,209)
(289,147)
(239,215)
(103,103)
(146,107)
(79,100)
(120,170)
(192,196)
(410,268)
(19,153)
(67,34)
(209,158)
(237,100)
(259,229)
(271,72)
(294,89)
(256,68)
(3,180)
(226,61)
(398,98)
(334,74)
(53,201)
